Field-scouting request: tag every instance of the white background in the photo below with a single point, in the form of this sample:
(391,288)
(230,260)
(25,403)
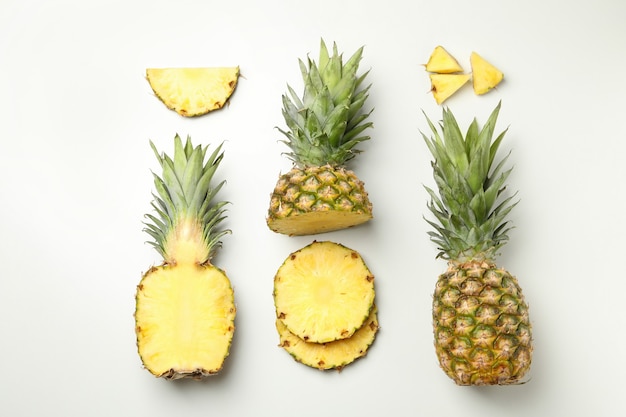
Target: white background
(76,115)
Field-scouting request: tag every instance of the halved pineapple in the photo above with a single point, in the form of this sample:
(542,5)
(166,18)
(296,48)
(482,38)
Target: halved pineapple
(441,62)
(331,355)
(185,308)
(485,75)
(444,85)
(323,292)
(193,91)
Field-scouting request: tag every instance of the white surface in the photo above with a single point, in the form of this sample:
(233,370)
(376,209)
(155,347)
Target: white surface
(76,115)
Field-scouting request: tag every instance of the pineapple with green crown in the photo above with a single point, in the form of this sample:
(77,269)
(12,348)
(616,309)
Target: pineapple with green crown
(185,311)
(319,194)
(481,325)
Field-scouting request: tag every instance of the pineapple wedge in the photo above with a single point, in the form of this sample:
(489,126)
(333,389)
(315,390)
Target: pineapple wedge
(441,62)
(323,292)
(485,75)
(331,355)
(444,85)
(193,92)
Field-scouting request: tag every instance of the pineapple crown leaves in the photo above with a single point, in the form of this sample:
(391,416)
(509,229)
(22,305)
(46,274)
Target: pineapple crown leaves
(327,122)
(470,208)
(185,193)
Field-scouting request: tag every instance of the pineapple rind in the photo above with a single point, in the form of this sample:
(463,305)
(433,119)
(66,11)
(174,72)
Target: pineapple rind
(193,92)
(481,325)
(331,355)
(185,320)
(323,292)
(317,200)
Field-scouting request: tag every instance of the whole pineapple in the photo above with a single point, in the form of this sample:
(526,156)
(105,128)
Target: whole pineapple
(185,310)
(319,194)
(481,324)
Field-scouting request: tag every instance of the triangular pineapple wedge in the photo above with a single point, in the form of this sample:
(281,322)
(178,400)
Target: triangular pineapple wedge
(193,91)
(444,85)
(485,76)
(441,62)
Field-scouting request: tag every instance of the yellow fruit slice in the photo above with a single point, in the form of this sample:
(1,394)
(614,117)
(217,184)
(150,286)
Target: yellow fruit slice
(441,62)
(323,292)
(444,85)
(193,91)
(485,76)
(331,355)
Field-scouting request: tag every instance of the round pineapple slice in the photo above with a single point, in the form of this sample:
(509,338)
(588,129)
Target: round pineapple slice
(323,292)
(331,355)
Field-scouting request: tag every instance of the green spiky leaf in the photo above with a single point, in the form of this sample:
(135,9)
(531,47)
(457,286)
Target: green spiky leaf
(185,193)
(470,207)
(326,123)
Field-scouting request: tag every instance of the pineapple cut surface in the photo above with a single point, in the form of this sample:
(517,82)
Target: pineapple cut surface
(184,320)
(323,292)
(485,76)
(441,62)
(316,222)
(331,355)
(193,92)
(445,85)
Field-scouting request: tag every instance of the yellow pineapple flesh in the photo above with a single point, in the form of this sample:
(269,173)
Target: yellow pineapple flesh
(445,85)
(485,76)
(193,92)
(441,62)
(331,355)
(323,292)
(185,320)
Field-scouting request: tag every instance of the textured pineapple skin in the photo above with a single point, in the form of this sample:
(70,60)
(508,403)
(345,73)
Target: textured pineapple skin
(481,325)
(315,200)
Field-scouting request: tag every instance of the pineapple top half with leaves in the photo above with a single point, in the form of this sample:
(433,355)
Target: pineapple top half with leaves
(324,126)
(480,318)
(185,311)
